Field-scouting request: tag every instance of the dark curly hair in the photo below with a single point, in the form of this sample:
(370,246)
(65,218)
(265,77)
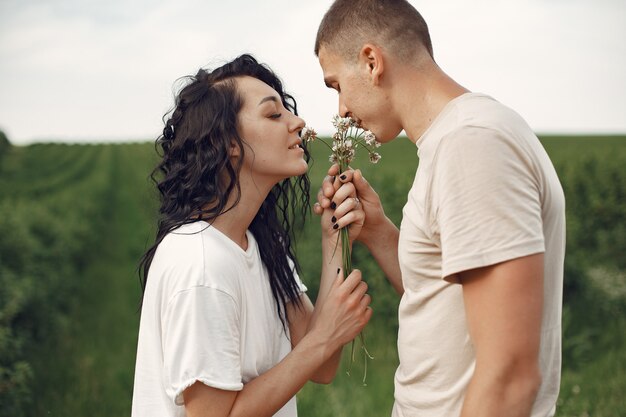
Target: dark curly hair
(196,175)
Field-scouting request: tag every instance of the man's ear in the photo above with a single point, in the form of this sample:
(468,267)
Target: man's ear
(371,56)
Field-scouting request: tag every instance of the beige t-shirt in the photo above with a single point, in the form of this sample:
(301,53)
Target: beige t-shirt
(485,192)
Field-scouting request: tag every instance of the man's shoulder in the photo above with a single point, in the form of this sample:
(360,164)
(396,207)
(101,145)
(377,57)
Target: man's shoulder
(484,112)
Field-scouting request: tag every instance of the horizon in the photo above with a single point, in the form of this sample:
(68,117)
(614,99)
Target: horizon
(121,141)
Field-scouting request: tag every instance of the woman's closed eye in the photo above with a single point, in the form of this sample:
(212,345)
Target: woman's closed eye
(275,116)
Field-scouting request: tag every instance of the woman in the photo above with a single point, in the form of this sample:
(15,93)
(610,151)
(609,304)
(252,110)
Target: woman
(226,326)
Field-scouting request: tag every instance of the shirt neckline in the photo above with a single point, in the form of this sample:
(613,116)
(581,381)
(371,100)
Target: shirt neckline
(248,253)
(445,111)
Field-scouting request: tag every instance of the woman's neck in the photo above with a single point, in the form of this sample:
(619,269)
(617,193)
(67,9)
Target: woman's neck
(235,222)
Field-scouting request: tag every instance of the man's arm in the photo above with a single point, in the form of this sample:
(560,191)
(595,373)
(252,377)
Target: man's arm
(383,246)
(503,304)
(378,234)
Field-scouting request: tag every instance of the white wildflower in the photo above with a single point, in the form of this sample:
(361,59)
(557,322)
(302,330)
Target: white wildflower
(374,157)
(350,155)
(343,124)
(308,134)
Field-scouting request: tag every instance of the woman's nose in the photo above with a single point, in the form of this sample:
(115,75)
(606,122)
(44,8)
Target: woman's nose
(298,124)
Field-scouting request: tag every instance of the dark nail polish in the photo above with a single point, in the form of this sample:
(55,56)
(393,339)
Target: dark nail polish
(333,219)
(343,177)
(335,226)
(333,205)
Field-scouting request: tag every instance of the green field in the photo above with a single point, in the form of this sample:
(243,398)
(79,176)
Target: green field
(74,220)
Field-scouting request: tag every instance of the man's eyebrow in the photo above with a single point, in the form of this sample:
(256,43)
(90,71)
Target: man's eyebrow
(269,98)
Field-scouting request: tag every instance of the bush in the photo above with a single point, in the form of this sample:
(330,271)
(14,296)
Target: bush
(46,241)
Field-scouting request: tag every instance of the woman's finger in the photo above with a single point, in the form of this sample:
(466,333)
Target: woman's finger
(351,281)
(333,170)
(329,187)
(366,300)
(353,217)
(343,193)
(350,203)
(358,293)
(346,176)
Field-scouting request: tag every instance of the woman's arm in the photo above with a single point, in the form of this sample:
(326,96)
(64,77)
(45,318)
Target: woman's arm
(342,316)
(301,320)
(347,212)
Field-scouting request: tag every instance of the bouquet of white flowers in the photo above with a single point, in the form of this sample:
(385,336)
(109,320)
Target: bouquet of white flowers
(345,142)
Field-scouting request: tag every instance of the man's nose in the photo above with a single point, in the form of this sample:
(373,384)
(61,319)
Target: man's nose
(343,110)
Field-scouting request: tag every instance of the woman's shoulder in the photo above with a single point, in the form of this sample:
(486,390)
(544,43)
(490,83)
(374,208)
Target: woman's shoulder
(192,256)
(181,246)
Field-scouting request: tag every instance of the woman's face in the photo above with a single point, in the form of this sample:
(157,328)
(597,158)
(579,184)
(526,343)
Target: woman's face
(270,132)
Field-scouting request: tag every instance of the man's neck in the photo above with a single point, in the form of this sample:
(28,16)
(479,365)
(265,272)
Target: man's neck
(421,95)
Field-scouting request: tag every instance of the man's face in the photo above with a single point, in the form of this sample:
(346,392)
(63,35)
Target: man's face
(359,97)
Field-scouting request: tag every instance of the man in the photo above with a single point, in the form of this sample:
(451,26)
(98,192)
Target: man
(479,255)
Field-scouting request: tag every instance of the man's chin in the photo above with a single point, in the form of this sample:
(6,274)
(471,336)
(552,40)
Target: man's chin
(387,136)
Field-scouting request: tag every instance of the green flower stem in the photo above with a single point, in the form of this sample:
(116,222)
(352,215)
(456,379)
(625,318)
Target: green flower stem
(346,258)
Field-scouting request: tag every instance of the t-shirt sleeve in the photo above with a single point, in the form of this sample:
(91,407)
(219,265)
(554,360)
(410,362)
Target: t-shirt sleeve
(486,201)
(201,335)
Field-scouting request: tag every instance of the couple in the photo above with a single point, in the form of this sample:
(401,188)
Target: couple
(226,326)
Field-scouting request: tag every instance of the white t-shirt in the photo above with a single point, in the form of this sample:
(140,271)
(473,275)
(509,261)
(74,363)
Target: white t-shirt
(485,192)
(208,315)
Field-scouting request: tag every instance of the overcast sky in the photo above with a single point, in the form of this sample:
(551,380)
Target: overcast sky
(92,70)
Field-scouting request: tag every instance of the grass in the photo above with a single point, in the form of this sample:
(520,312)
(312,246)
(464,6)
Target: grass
(93,363)
(87,370)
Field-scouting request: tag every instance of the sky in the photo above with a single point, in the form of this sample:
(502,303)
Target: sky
(99,71)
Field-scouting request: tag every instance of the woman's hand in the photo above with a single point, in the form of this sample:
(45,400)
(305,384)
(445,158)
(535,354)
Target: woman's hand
(343,208)
(374,222)
(344,312)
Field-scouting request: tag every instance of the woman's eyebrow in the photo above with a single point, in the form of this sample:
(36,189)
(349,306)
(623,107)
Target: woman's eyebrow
(268,98)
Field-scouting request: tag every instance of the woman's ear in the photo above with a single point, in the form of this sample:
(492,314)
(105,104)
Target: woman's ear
(234,151)
(371,57)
